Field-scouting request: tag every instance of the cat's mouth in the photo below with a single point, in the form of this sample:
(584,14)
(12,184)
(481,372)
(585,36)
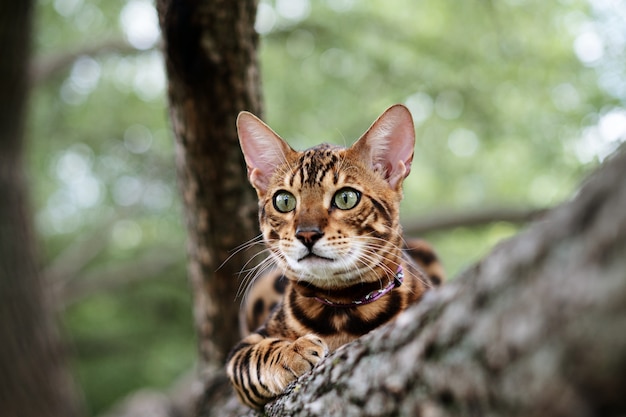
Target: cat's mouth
(312,256)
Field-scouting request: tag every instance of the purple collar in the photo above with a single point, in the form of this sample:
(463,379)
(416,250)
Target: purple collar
(369,297)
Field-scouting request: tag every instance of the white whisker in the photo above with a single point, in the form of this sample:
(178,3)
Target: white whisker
(257,240)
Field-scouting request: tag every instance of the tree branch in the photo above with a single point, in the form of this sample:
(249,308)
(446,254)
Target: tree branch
(536,328)
(450,220)
(121,275)
(45,68)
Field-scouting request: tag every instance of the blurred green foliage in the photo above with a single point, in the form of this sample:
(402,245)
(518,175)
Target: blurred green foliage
(513,101)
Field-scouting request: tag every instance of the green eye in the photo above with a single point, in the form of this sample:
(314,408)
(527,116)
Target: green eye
(346,198)
(284,201)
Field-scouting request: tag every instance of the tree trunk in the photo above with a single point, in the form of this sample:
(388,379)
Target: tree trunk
(34,379)
(210,53)
(537,328)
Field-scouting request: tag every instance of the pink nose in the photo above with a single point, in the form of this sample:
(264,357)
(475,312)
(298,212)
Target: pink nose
(308,237)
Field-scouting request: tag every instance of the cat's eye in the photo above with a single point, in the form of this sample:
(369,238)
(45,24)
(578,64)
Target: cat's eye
(346,198)
(284,201)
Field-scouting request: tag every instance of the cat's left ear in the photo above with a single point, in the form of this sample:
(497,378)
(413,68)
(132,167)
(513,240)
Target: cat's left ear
(388,144)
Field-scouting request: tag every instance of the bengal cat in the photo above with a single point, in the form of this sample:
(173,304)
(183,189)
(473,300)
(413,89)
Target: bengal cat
(329,217)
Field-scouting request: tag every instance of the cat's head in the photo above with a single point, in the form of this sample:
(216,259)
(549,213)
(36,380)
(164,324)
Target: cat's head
(328,214)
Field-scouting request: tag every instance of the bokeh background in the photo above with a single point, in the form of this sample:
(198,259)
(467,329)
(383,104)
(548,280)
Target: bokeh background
(514,102)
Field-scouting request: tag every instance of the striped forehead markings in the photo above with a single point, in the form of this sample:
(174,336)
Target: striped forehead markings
(314,164)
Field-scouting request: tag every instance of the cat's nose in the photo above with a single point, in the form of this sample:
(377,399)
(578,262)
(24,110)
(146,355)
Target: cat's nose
(308,236)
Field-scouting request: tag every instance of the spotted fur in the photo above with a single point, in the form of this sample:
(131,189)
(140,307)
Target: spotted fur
(329,217)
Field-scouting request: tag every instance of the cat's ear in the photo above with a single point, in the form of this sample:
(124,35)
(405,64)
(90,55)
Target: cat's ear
(388,144)
(262,149)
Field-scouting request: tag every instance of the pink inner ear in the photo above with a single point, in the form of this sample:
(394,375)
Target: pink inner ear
(262,149)
(389,144)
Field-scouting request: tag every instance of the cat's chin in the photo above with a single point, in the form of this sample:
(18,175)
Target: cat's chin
(314,267)
(323,272)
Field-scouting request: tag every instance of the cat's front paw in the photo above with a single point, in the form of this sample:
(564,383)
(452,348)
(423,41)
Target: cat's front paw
(297,358)
(307,352)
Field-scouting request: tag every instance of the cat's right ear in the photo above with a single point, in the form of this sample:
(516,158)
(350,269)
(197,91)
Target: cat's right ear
(262,149)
